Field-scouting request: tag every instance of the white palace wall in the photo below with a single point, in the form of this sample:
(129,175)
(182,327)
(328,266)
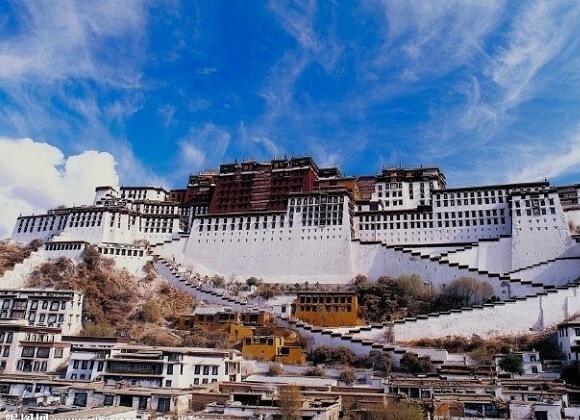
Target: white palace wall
(375,260)
(285,247)
(517,316)
(286,255)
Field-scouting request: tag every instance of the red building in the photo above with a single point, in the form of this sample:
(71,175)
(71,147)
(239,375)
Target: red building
(253,187)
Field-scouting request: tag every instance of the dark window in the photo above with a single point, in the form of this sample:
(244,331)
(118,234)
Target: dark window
(80,399)
(126,401)
(164,405)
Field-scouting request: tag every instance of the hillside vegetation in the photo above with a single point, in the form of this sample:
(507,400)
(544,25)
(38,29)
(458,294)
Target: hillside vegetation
(12,253)
(115,302)
(406,296)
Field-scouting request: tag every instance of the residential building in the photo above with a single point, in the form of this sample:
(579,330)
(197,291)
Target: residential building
(272,348)
(169,367)
(327,309)
(569,341)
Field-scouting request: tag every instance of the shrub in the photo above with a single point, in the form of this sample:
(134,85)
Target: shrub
(159,337)
(275,369)
(150,311)
(314,371)
(347,375)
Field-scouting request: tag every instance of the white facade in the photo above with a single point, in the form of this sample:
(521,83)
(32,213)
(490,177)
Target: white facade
(569,341)
(49,308)
(169,367)
(410,226)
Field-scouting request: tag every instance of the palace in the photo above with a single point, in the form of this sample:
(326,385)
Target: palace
(289,221)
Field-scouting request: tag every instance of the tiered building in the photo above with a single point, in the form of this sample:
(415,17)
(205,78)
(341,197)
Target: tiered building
(290,221)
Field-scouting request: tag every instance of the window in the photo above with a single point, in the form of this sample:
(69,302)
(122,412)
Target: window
(164,405)
(197,369)
(126,401)
(43,352)
(28,351)
(75,364)
(108,400)
(170,369)
(206,370)
(214,370)
(6,352)
(58,353)
(84,364)
(80,399)
(168,384)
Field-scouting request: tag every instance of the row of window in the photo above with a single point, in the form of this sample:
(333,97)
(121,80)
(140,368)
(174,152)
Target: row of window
(55,246)
(205,369)
(323,308)
(122,252)
(316,200)
(55,305)
(428,225)
(536,211)
(38,352)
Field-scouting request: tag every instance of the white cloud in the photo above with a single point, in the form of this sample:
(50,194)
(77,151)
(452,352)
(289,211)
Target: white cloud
(36,176)
(203,146)
(191,155)
(536,37)
(546,160)
(73,39)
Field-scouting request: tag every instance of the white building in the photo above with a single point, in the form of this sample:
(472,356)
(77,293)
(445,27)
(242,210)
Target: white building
(49,308)
(169,367)
(88,355)
(569,341)
(32,322)
(406,221)
(531,363)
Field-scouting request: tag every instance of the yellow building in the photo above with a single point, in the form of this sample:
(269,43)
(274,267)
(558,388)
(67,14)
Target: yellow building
(220,318)
(239,332)
(328,309)
(271,348)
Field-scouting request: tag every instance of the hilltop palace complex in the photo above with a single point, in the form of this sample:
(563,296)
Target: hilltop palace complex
(289,221)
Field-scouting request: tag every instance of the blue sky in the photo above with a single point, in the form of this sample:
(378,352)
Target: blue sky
(141,93)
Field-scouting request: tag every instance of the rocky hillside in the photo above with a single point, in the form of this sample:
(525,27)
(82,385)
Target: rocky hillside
(11,253)
(115,302)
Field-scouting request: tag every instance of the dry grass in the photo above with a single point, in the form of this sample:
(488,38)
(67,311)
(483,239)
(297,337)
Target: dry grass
(113,297)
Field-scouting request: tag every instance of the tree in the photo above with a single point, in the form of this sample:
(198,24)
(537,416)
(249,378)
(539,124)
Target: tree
(290,402)
(512,363)
(347,375)
(91,257)
(218,281)
(150,311)
(378,360)
(253,281)
(469,291)
(411,363)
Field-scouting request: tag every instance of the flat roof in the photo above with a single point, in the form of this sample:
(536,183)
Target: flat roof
(292,380)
